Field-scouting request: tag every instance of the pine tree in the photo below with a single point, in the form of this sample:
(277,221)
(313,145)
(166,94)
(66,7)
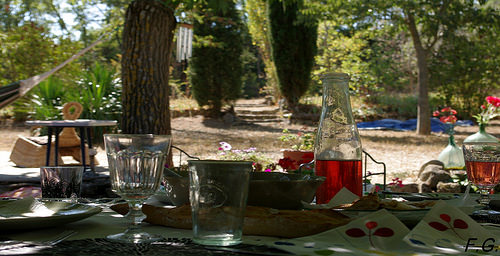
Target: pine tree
(293,44)
(215,66)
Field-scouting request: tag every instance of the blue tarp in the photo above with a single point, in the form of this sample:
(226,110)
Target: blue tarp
(408,125)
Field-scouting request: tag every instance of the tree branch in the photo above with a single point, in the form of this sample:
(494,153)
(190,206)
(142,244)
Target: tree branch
(440,13)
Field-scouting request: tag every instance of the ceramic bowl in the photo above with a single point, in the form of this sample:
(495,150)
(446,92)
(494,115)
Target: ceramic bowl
(268,189)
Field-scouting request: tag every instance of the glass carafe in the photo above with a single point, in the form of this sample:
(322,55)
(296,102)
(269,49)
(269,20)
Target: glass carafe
(337,150)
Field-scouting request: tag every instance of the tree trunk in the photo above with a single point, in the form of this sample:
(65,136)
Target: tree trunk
(423,109)
(147,46)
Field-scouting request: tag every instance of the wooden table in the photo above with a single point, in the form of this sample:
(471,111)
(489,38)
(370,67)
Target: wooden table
(84,126)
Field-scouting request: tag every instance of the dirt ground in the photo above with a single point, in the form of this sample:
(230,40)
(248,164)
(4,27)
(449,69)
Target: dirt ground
(402,152)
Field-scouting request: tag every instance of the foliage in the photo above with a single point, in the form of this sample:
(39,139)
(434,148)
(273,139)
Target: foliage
(252,67)
(299,141)
(430,25)
(261,162)
(98,92)
(258,27)
(215,66)
(464,69)
(100,96)
(48,98)
(293,44)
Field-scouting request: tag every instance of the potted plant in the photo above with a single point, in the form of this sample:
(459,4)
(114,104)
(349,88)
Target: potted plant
(488,112)
(300,149)
(260,161)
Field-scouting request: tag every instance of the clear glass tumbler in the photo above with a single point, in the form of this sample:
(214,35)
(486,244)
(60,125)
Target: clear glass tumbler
(218,194)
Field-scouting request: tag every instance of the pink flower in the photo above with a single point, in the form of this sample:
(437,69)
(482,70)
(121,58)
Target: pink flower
(268,170)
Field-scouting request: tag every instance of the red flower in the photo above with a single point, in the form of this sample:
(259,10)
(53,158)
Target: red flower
(447,109)
(493,101)
(286,163)
(436,113)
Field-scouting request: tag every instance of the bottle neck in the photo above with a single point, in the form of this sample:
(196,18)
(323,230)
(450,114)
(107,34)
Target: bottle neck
(482,128)
(451,140)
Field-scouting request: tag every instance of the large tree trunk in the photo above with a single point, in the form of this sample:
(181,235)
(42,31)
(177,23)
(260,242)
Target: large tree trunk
(423,109)
(147,46)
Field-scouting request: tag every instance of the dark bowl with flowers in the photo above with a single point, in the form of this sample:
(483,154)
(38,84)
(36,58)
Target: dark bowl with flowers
(268,189)
(282,190)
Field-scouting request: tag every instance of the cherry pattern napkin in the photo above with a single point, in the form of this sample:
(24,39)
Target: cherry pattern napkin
(373,233)
(449,230)
(444,229)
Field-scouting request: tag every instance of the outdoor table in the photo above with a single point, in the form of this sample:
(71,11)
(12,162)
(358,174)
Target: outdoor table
(84,125)
(90,239)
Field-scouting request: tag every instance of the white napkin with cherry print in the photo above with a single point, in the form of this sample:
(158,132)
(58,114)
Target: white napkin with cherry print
(377,232)
(444,229)
(449,230)
(344,196)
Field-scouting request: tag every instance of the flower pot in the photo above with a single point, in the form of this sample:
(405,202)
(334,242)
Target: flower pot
(481,136)
(298,157)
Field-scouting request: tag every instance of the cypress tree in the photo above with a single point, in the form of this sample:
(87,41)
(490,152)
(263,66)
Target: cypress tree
(215,66)
(293,45)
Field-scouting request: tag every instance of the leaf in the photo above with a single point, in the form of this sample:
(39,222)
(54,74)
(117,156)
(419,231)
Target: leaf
(445,217)
(458,223)
(355,232)
(371,224)
(438,226)
(384,232)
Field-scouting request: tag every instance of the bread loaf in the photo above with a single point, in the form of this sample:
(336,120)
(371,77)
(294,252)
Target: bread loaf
(258,220)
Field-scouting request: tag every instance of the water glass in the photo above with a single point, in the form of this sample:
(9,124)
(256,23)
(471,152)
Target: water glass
(61,181)
(218,194)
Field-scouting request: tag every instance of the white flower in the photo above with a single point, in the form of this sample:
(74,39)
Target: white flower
(225,146)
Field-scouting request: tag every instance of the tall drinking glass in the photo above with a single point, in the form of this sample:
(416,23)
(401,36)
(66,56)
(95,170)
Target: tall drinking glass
(482,161)
(136,163)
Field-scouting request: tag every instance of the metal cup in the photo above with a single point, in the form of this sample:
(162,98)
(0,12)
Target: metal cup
(218,194)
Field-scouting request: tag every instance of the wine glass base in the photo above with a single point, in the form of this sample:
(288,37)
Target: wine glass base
(486,215)
(141,237)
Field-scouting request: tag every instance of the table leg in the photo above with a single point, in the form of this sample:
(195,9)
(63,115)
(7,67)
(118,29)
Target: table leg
(49,143)
(91,151)
(56,147)
(82,147)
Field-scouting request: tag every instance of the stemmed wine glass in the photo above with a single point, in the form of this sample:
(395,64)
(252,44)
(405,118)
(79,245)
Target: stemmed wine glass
(136,163)
(482,161)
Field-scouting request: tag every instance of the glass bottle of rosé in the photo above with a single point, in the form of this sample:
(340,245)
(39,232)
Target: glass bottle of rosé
(337,150)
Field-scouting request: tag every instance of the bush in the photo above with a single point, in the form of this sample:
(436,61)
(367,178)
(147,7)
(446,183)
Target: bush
(397,106)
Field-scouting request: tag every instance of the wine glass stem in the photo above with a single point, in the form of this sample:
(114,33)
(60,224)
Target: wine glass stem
(484,198)
(135,214)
